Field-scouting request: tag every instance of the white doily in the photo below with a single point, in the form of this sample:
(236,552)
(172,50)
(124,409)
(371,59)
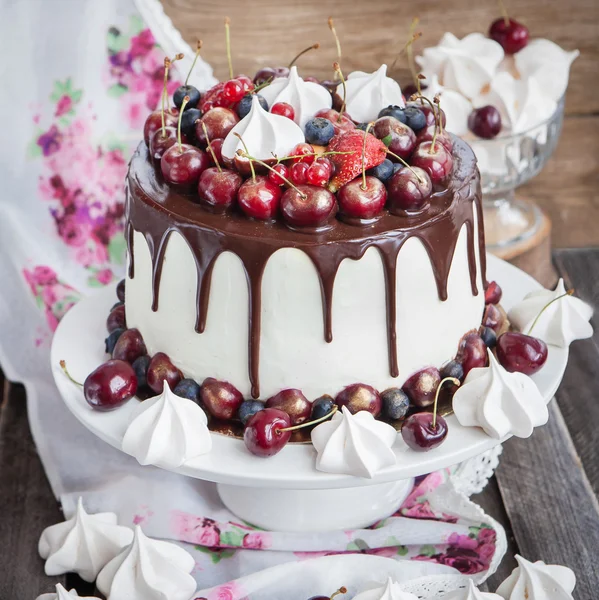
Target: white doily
(471,476)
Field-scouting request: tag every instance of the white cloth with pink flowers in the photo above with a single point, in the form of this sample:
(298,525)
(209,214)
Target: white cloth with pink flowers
(75,100)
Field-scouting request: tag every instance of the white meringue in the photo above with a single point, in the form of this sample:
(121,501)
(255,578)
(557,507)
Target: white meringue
(562,322)
(148,570)
(500,402)
(264,134)
(167,431)
(391,590)
(470,593)
(368,93)
(354,444)
(538,581)
(306,97)
(83,544)
(457,108)
(465,65)
(62,594)
(548,64)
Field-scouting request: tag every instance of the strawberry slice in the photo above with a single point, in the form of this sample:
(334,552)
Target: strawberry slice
(349,166)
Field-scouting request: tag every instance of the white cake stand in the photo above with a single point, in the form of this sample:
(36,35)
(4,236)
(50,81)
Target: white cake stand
(286,492)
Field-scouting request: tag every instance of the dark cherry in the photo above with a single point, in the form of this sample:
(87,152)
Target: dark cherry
(247,409)
(511,35)
(485,122)
(120,290)
(263,436)
(129,346)
(521,353)
(259,198)
(308,206)
(221,398)
(266,73)
(140,366)
(427,134)
(186,90)
(182,166)
(395,404)
(217,148)
(218,121)
(340,124)
(321,407)
(116,318)
(188,388)
(419,433)
(359,396)
(110,385)
(218,189)
(160,143)
(112,339)
(437,161)
(409,190)
(161,369)
(294,403)
(421,387)
(493,293)
(472,352)
(364,203)
(154,122)
(489,336)
(399,138)
(492,317)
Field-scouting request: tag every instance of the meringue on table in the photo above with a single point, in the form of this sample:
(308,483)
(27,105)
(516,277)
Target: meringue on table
(62,594)
(391,590)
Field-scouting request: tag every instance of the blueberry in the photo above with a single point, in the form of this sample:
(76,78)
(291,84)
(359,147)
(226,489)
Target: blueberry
(140,367)
(186,90)
(489,337)
(382,171)
(188,121)
(188,388)
(362,126)
(452,369)
(395,112)
(321,407)
(248,408)
(245,104)
(111,340)
(395,403)
(319,131)
(397,167)
(415,118)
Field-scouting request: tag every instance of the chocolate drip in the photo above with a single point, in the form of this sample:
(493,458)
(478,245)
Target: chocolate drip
(156,211)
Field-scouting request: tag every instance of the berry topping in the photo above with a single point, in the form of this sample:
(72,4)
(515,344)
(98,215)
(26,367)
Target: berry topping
(112,339)
(452,369)
(264,435)
(321,407)
(521,353)
(395,404)
(307,206)
(340,122)
(120,290)
(161,369)
(221,399)
(245,104)
(427,135)
(292,402)
(283,109)
(110,385)
(399,138)
(485,122)
(493,293)
(492,317)
(218,188)
(472,352)
(186,90)
(318,174)
(162,140)
(116,318)
(409,190)
(154,123)
(319,131)
(414,118)
(511,35)
(233,91)
(279,171)
(259,198)
(188,388)
(298,173)
(382,171)
(140,366)
(129,346)
(182,165)
(435,159)
(393,111)
(362,199)
(247,409)
(269,73)
(359,396)
(422,386)
(188,121)
(489,336)
(303,153)
(218,123)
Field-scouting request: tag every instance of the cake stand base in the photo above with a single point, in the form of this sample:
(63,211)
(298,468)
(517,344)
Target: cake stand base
(315,510)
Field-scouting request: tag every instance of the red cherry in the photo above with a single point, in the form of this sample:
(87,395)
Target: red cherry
(246,83)
(259,199)
(281,169)
(263,75)
(323,160)
(110,385)
(293,403)
(129,346)
(305,153)
(318,174)
(520,352)
(422,386)
(437,162)
(116,319)
(357,202)
(409,190)
(359,396)
(511,35)
(308,206)
(160,143)
(419,433)
(298,173)
(263,436)
(493,293)
(427,134)
(154,122)
(340,125)
(485,122)
(221,399)
(283,109)
(492,317)
(402,138)
(233,90)
(472,352)
(218,189)
(161,369)
(218,121)
(217,148)
(183,166)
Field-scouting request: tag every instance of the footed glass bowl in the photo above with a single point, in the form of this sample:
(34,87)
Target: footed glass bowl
(505,163)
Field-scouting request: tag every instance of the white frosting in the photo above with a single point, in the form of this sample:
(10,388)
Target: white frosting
(500,402)
(564,321)
(548,64)
(470,593)
(306,97)
(538,581)
(391,590)
(264,134)
(465,65)
(368,93)
(457,108)
(62,594)
(354,444)
(83,544)
(167,431)
(148,570)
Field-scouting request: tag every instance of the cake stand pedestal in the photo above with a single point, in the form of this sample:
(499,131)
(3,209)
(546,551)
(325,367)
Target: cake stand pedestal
(286,492)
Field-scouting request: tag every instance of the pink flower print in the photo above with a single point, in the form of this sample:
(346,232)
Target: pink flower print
(486,534)
(63,106)
(51,318)
(421,510)
(462,541)
(257,541)
(195,530)
(388,552)
(71,231)
(48,295)
(43,275)
(135,110)
(104,276)
(142,43)
(486,552)
(465,561)
(50,141)
(228,591)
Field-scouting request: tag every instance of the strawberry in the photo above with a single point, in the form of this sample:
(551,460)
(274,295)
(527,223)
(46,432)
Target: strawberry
(349,166)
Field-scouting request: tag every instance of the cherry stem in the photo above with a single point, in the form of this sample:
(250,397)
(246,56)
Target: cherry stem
(63,366)
(327,153)
(228,44)
(341,590)
(408,49)
(193,64)
(262,85)
(337,42)
(246,154)
(455,382)
(167,64)
(264,164)
(315,46)
(506,18)
(308,423)
(340,73)
(211,150)
(364,186)
(568,293)
(405,164)
(432,150)
(185,101)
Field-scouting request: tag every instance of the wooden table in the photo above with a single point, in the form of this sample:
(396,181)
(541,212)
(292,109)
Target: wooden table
(544,492)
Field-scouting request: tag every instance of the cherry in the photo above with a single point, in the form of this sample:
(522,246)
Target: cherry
(359,396)
(292,402)
(422,386)
(308,206)
(493,293)
(264,435)
(472,352)
(342,590)
(218,122)
(221,399)
(183,164)
(218,188)
(161,141)
(362,200)
(283,109)
(233,91)
(435,159)
(259,198)
(110,385)
(399,138)
(485,122)
(116,318)
(395,404)
(492,317)
(409,190)
(323,160)
(303,153)
(428,133)
(266,73)
(428,112)
(511,35)
(154,123)
(129,346)
(298,173)
(318,174)
(161,369)
(340,123)
(120,290)
(217,149)
(275,175)
(521,353)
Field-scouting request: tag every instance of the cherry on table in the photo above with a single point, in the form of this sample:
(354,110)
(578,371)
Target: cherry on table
(362,199)
(359,396)
(218,188)
(308,206)
(259,198)
(129,346)
(522,353)
(511,35)
(294,403)
(218,121)
(162,369)
(182,165)
(221,398)
(435,160)
(116,319)
(485,122)
(472,352)
(264,435)
(110,385)
(421,387)
(409,190)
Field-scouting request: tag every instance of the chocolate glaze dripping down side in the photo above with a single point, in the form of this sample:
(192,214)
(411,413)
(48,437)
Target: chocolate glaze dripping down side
(156,210)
